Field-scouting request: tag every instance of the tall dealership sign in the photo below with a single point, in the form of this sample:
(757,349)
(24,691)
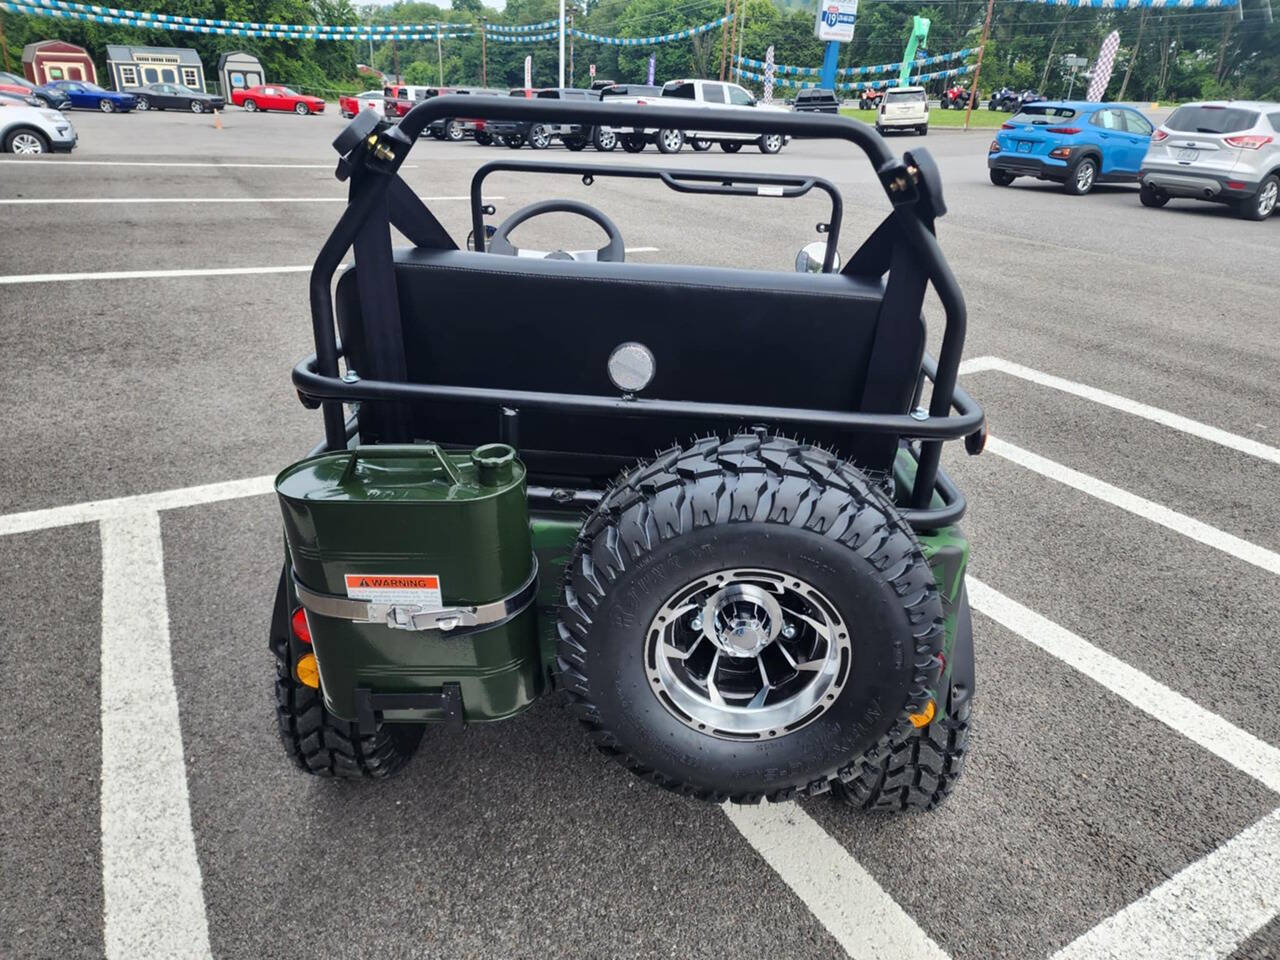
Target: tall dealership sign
(834,25)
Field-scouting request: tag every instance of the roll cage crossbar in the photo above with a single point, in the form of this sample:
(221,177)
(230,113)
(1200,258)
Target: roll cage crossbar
(903,247)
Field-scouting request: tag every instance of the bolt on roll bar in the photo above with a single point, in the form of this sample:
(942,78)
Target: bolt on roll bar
(371,159)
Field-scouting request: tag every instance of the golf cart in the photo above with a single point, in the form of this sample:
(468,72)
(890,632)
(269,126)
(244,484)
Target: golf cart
(774,608)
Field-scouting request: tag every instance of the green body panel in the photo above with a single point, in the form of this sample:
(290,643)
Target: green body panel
(919,37)
(409,511)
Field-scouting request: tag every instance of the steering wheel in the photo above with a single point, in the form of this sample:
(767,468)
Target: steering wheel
(614,251)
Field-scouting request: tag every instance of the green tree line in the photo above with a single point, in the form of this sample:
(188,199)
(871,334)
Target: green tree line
(1165,54)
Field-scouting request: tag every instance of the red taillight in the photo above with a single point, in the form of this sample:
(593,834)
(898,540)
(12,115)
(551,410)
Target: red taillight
(1007,126)
(1236,185)
(1159,135)
(1248,142)
(301,629)
(1065,131)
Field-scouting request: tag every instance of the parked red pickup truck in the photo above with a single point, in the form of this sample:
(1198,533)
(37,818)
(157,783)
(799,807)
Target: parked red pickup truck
(399,99)
(349,106)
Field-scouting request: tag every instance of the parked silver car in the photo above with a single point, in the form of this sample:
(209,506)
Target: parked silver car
(1225,152)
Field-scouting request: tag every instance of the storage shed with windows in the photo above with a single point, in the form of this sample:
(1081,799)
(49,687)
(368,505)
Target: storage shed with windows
(50,60)
(238,70)
(136,66)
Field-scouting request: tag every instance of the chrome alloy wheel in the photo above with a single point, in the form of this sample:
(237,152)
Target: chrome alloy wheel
(748,654)
(1084,177)
(1268,198)
(27,144)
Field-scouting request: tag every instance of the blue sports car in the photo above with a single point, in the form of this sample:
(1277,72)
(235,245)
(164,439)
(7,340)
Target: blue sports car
(90,96)
(1073,143)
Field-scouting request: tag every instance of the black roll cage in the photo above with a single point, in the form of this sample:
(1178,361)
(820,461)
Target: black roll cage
(903,247)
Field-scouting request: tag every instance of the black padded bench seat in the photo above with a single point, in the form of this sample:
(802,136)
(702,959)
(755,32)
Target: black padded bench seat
(718,335)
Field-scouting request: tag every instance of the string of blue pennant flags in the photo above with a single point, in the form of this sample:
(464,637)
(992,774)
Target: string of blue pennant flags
(782,71)
(282,32)
(522,28)
(864,84)
(1136,4)
(648,41)
(520,38)
(364,30)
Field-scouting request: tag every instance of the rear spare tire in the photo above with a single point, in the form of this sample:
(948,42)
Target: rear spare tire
(314,739)
(748,619)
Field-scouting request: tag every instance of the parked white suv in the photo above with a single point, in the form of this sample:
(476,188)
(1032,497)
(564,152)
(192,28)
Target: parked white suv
(903,108)
(1224,152)
(34,130)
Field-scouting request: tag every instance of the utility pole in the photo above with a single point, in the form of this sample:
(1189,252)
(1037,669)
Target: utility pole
(1133,58)
(733,35)
(561,43)
(571,50)
(484,66)
(439,56)
(395,59)
(739,31)
(724,42)
(977,70)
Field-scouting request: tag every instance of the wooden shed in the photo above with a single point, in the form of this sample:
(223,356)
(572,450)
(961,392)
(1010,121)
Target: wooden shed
(136,66)
(50,60)
(238,70)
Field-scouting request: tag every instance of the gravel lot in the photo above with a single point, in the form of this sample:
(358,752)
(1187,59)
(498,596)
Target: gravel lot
(1122,784)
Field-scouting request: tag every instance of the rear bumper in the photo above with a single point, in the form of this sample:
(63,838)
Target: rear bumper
(1026,165)
(1201,185)
(890,123)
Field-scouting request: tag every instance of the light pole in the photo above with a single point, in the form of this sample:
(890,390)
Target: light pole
(561,43)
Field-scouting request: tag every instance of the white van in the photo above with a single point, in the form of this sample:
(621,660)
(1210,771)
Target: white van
(903,108)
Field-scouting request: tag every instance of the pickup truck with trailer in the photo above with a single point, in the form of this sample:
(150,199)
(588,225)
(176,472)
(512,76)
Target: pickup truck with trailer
(456,129)
(539,136)
(702,95)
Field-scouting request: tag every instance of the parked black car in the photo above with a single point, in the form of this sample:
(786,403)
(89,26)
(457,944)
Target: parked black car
(539,136)
(174,96)
(816,100)
(1011,101)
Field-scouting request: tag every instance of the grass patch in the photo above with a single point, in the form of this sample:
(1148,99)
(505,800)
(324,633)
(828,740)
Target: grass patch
(981,118)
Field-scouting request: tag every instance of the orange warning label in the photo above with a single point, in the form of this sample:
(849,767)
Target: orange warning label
(422,590)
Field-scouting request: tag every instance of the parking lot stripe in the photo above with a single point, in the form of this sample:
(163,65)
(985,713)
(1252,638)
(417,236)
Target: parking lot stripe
(1219,736)
(1147,509)
(21,201)
(867,922)
(53,164)
(1156,415)
(1205,910)
(147,274)
(125,507)
(153,901)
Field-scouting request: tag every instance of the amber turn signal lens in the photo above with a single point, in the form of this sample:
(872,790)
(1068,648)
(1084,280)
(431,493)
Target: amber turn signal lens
(922,718)
(309,676)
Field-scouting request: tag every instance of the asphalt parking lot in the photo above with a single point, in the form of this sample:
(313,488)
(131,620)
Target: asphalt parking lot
(1120,797)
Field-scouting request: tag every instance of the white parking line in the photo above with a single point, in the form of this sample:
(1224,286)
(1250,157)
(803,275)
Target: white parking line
(29,201)
(1219,736)
(53,164)
(1205,910)
(153,899)
(1164,417)
(866,921)
(117,508)
(1147,509)
(147,274)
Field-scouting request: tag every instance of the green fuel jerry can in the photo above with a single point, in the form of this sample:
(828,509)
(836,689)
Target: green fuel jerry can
(416,571)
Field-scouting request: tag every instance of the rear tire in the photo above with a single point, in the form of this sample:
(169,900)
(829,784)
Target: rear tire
(633,143)
(1151,197)
(669,140)
(251,106)
(453,131)
(1082,177)
(719,515)
(699,146)
(539,137)
(574,144)
(483,138)
(143,104)
(770,143)
(515,141)
(1262,204)
(315,740)
(604,140)
(918,772)
(1001,178)
(730,146)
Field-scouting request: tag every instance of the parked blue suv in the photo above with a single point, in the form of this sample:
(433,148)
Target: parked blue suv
(1072,143)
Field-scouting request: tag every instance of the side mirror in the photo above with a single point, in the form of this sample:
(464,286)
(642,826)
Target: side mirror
(812,255)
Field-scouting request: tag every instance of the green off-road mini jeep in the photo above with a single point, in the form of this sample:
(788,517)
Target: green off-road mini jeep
(774,608)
